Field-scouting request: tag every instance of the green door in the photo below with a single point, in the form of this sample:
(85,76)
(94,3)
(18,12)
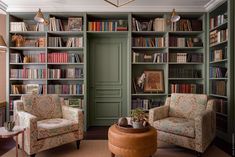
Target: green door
(107,79)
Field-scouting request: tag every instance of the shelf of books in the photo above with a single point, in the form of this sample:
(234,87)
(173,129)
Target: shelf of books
(47,59)
(220,69)
(173,52)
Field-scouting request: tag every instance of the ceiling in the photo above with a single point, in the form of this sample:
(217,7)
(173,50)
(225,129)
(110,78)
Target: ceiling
(101,5)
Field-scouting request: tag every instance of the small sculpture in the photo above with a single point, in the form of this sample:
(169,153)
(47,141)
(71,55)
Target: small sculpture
(9,125)
(140,81)
(19,40)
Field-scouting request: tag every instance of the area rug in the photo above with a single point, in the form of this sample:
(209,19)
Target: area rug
(99,148)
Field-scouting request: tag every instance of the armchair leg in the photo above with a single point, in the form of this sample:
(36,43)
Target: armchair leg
(199,154)
(78,144)
(32,155)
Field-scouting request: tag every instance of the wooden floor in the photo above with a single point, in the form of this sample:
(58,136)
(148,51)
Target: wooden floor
(101,133)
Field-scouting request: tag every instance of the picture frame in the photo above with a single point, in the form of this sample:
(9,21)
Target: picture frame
(75,24)
(154,81)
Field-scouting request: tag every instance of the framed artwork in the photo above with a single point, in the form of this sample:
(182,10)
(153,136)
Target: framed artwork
(75,24)
(154,81)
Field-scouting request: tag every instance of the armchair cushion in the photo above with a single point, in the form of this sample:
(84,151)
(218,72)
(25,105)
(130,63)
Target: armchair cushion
(57,126)
(178,126)
(43,106)
(187,105)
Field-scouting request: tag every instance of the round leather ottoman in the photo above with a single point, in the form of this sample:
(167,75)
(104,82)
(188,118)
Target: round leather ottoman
(132,144)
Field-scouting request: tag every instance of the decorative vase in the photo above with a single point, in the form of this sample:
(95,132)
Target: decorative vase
(137,125)
(9,125)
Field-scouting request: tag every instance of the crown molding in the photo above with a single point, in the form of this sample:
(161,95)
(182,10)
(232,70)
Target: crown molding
(212,4)
(72,8)
(3,7)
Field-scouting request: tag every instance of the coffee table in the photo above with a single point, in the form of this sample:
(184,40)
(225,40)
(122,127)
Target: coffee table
(10,134)
(125,144)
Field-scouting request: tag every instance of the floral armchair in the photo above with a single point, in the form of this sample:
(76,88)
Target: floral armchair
(187,120)
(48,122)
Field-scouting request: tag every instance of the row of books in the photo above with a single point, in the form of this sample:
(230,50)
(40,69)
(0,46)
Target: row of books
(28,89)
(221,106)
(186,88)
(65,57)
(186,57)
(218,36)
(218,72)
(75,102)
(218,54)
(149,57)
(70,42)
(219,88)
(32,42)
(28,73)
(65,73)
(32,57)
(179,72)
(66,89)
(157,24)
(148,42)
(184,42)
(115,25)
(72,24)
(145,104)
(218,20)
(26,26)
(187,25)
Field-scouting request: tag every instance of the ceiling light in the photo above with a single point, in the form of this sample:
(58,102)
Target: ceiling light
(117,3)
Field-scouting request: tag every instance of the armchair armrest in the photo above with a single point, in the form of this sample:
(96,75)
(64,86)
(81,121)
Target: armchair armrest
(18,105)
(28,121)
(74,114)
(203,133)
(158,113)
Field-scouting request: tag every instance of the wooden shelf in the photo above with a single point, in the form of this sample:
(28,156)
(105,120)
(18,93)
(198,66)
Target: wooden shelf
(149,33)
(65,79)
(66,33)
(28,63)
(29,48)
(218,44)
(186,48)
(222,26)
(218,78)
(219,96)
(193,63)
(149,48)
(65,63)
(221,61)
(186,32)
(148,63)
(185,78)
(149,94)
(26,79)
(29,33)
(65,48)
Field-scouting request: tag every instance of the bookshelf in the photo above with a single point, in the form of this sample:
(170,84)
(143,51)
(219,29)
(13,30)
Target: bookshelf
(183,65)
(220,66)
(57,66)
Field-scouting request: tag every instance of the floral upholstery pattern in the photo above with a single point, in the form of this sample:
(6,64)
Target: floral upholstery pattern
(187,120)
(53,127)
(41,134)
(178,126)
(42,106)
(187,105)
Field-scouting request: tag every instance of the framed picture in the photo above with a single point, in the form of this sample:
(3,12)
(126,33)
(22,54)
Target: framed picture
(154,81)
(75,24)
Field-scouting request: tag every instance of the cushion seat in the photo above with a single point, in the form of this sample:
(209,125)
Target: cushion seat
(53,127)
(178,126)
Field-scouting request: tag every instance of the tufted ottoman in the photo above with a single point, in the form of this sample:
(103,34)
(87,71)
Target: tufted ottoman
(132,144)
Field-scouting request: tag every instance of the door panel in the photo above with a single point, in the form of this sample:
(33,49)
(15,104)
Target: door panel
(108,79)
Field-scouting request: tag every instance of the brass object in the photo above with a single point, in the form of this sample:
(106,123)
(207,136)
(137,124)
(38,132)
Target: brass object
(19,40)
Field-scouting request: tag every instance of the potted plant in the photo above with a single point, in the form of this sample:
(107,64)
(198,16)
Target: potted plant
(138,118)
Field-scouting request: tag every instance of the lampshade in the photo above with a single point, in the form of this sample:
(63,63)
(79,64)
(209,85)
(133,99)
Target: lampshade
(39,17)
(174,16)
(2,42)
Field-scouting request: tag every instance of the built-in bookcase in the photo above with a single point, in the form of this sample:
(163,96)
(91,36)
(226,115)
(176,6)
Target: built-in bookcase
(220,66)
(177,49)
(52,59)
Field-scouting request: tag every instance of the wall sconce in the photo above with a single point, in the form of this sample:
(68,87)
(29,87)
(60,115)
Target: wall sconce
(2,43)
(117,3)
(174,17)
(40,18)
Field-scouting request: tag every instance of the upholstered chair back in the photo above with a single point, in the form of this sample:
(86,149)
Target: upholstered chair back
(187,105)
(43,106)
